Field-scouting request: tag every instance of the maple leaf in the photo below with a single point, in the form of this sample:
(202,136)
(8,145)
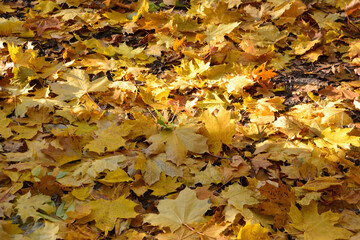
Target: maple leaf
(321,183)
(77,84)
(19,56)
(341,137)
(190,69)
(48,232)
(253,232)
(105,212)
(210,175)
(70,151)
(81,193)
(48,186)
(11,26)
(116,176)
(105,140)
(240,197)
(5,132)
(158,164)
(41,24)
(238,83)
(213,31)
(178,142)
(185,209)
(288,126)
(263,76)
(46,6)
(165,185)
(28,206)
(93,168)
(29,102)
(260,161)
(303,44)
(220,128)
(279,199)
(142,7)
(317,226)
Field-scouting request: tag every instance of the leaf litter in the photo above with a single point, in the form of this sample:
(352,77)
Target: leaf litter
(179,119)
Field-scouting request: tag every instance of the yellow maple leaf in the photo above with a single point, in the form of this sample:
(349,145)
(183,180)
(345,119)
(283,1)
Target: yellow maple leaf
(341,137)
(82,192)
(303,44)
(93,168)
(77,84)
(178,142)
(214,31)
(105,140)
(190,69)
(354,49)
(105,212)
(208,176)
(321,183)
(239,196)
(165,185)
(313,225)
(46,7)
(238,83)
(28,206)
(221,128)
(158,164)
(116,17)
(253,232)
(11,26)
(288,126)
(5,131)
(24,132)
(48,232)
(185,209)
(19,56)
(116,176)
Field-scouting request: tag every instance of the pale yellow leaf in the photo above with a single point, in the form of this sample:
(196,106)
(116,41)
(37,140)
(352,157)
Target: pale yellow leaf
(185,209)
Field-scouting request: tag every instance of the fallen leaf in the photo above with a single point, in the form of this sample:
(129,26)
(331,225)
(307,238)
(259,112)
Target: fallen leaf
(253,232)
(105,212)
(179,142)
(313,225)
(185,209)
(220,128)
(28,206)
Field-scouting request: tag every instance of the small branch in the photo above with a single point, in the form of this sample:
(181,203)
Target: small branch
(200,233)
(8,191)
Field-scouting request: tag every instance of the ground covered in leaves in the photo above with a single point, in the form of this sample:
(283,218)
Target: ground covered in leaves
(170,119)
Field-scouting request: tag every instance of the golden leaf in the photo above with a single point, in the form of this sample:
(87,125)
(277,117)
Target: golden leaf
(179,142)
(221,128)
(313,225)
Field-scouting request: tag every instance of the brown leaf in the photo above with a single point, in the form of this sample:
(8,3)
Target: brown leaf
(71,150)
(48,186)
(40,24)
(279,199)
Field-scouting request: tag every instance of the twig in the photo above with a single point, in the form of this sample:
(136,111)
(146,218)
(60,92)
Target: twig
(8,191)
(200,233)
